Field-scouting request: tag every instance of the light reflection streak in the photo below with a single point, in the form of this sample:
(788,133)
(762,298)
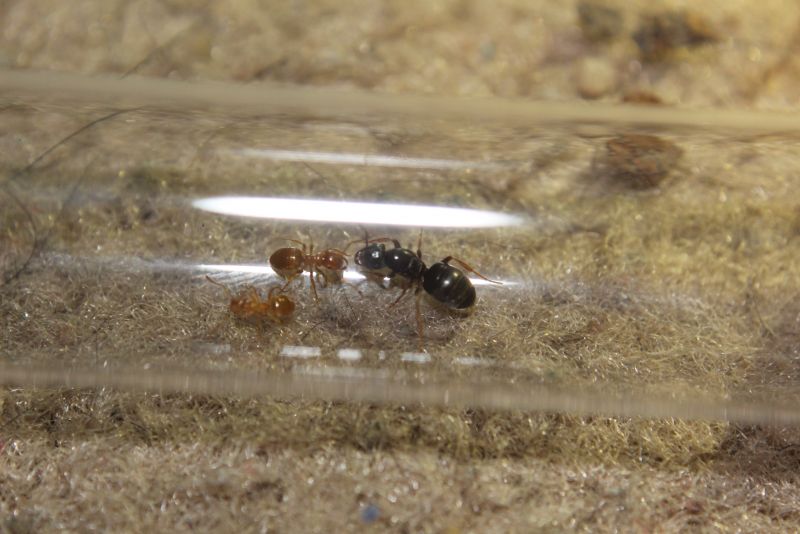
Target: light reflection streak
(349,355)
(346,372)
(253,273)
(298,209)
(470,361)
(350,276)
(371,160)
(299,351)
(415,357)
(227,272)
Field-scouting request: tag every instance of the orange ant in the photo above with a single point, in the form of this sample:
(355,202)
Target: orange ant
(290,262)
(249,304)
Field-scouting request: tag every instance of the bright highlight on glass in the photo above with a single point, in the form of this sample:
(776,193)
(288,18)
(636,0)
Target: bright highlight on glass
(371,160)
(297,209)
(350,276)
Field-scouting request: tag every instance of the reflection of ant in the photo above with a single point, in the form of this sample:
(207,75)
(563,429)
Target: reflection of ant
(290,262)
(249,304)
(404,268)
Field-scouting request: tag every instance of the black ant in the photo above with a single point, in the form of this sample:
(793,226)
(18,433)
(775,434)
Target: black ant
(290,262)
(400,265)
(249,305)
(404,268)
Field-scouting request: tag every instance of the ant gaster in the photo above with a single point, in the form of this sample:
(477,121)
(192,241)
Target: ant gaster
(290,262)
(249,304)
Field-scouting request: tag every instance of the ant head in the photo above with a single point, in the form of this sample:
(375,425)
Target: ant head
(282,307)
(371,257)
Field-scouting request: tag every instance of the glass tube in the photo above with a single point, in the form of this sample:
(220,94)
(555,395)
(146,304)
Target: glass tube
(126,204)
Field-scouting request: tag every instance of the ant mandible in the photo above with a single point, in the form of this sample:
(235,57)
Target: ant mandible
(290,262)
(248,304)
(404,268)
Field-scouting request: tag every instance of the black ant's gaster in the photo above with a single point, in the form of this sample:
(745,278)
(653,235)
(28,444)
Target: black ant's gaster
(405,269)
(450,285)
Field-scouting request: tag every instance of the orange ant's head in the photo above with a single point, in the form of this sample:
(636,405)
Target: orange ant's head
(281,307)
(287,262)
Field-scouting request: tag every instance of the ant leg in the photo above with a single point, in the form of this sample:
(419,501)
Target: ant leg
(469,268)
(313,285)
(420,321)
(377,279)
(223,286)
(398,299)
(322,277)
(419,245)
(366,240)
(351,243)
(289,280)
(339,282)
(254,294)
(352,311)
(311,329)
(354,286)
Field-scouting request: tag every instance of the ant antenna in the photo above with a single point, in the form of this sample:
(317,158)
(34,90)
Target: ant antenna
(351,243)
(469,268)
(223,286)
(272,290)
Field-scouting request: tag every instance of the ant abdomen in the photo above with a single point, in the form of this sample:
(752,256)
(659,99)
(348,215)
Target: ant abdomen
(287,262)
(449,286)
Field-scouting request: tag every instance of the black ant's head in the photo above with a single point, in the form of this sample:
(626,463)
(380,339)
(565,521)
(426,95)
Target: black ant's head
(371,257)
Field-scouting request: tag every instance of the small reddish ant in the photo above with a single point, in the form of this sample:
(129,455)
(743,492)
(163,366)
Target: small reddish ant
(290,262)
(249,305)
